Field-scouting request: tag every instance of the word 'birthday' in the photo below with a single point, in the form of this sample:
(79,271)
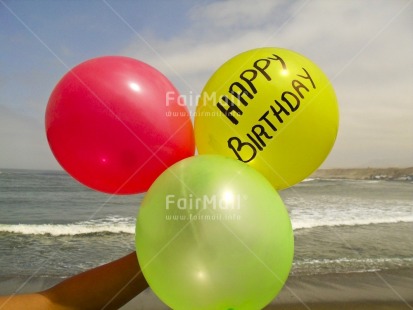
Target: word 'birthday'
(244,91)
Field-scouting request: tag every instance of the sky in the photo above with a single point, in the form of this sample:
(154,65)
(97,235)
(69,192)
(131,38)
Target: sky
(364,47)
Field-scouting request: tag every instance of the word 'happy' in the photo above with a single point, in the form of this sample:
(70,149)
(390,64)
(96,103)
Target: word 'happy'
(244,90)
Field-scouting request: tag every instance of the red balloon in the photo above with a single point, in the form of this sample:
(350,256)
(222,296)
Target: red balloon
(115,124)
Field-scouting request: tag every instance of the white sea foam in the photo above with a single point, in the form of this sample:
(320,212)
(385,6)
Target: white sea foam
(127,225)
(348,264)
(113,225)
(308,180)
(312,223)
(348,260)
(337,210)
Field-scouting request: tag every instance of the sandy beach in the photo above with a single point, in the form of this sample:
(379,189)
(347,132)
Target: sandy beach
(391,289)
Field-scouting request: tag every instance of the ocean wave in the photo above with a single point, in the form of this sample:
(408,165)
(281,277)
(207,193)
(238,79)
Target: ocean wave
(307,224)
(113,225)
(309,180)
(349,265)
(119,225)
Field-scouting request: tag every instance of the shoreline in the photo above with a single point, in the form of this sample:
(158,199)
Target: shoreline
(361,173)
(375,288)
(388,289)
(388,174)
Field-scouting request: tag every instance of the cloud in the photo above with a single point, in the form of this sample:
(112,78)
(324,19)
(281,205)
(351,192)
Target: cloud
(218,31)
(364,47)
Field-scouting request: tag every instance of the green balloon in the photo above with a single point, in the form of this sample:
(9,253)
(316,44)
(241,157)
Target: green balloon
(212,233)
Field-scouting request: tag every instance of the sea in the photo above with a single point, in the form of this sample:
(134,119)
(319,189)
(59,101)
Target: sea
(52,226)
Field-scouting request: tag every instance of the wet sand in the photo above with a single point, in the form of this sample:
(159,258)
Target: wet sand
(392,289)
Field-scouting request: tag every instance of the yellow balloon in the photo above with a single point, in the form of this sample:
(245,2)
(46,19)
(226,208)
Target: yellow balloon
(271,108)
